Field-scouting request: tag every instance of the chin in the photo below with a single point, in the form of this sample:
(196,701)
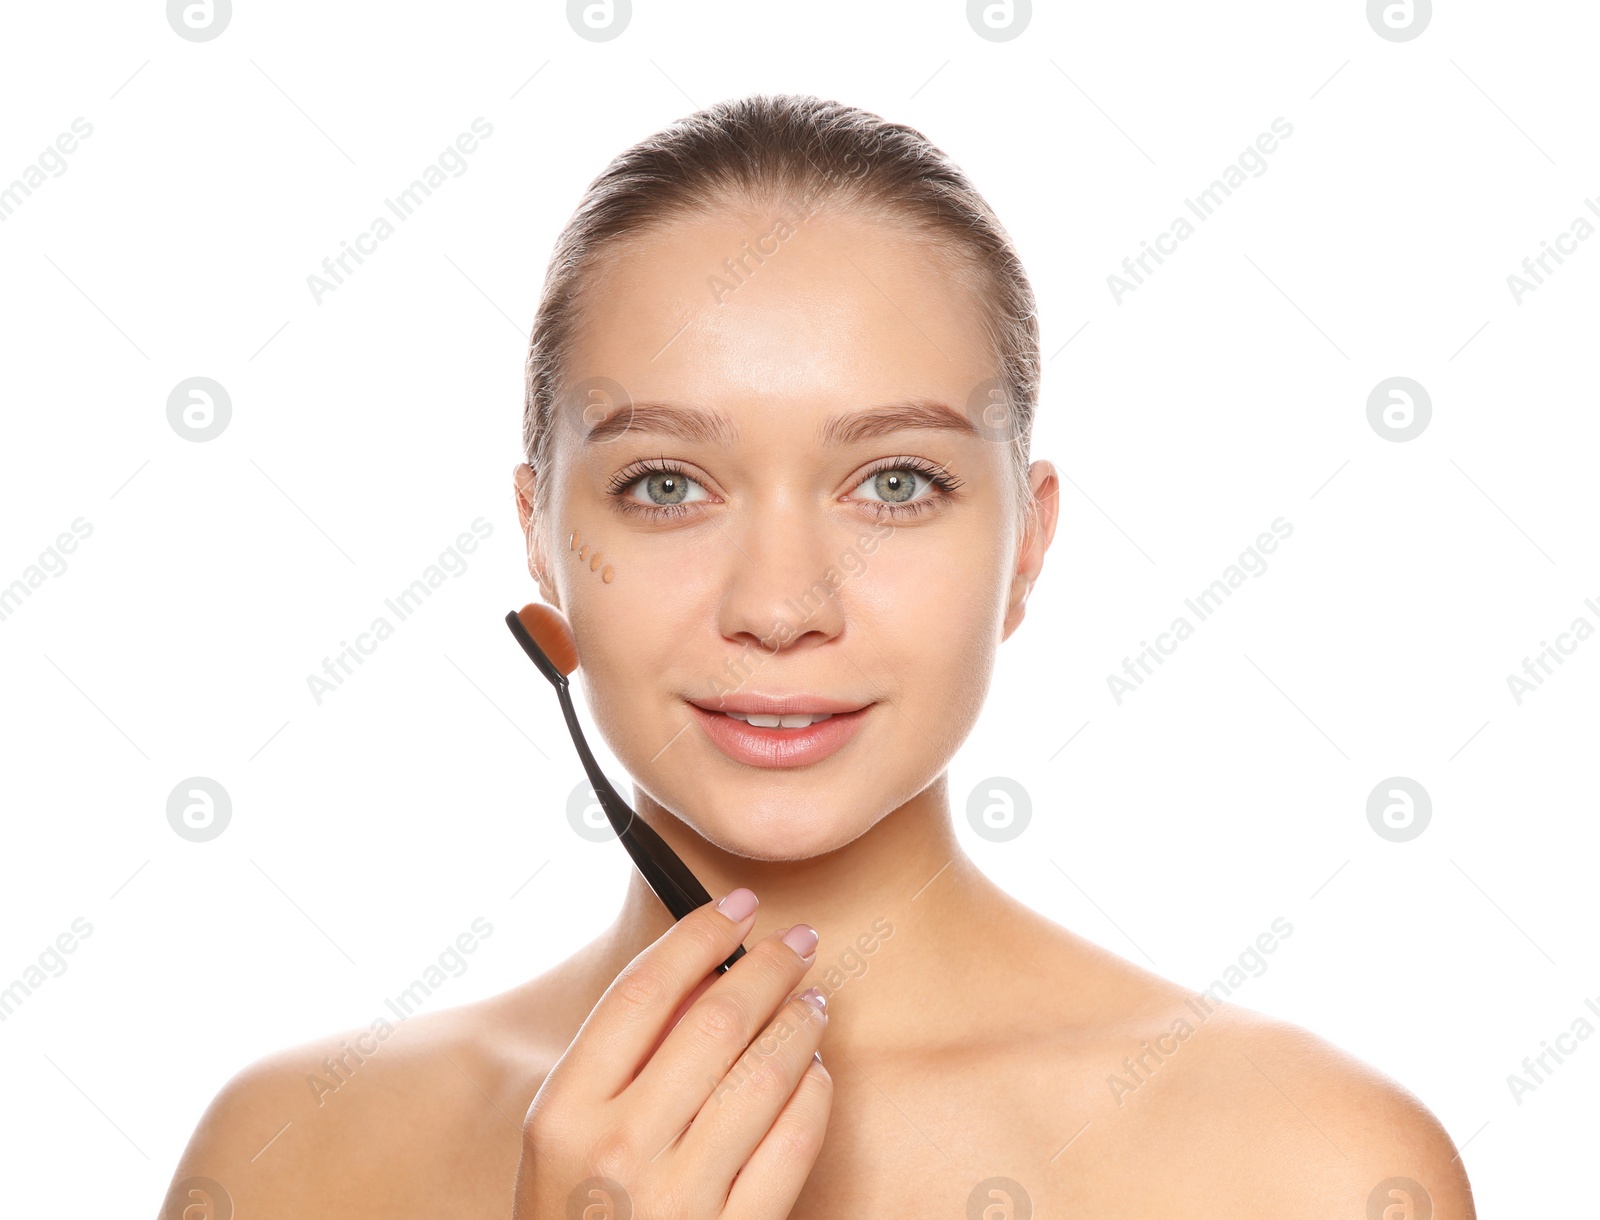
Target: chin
(783,831)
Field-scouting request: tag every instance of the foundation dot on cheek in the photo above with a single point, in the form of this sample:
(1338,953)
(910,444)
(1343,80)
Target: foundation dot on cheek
(594,561)
(606,573)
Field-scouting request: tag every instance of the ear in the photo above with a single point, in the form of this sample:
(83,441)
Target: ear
(523,482)
(1043,489)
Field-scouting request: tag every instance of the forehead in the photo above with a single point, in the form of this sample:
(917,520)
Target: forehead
(742,311)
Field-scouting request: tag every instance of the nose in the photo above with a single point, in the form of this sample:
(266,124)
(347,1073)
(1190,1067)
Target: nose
(783,576)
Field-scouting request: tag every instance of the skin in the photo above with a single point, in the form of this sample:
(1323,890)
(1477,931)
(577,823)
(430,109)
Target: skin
(975,1040)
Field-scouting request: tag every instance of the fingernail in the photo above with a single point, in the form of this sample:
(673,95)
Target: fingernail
(817,1056)
(802,938)
(815,998)
(738,905)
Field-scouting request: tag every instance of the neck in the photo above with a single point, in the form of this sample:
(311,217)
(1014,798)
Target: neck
(896,910)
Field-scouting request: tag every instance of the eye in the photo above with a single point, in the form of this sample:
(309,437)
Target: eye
(666,488)
(895,489)
(894,485)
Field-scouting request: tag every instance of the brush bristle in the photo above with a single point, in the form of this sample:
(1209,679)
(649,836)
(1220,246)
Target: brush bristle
(549,630)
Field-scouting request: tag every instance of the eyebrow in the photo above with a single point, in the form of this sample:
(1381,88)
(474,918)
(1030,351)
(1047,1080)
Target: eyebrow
(716,428)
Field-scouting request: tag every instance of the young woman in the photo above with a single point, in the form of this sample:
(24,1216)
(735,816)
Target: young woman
(780,391)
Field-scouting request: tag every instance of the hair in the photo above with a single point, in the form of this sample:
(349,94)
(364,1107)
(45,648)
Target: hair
(795,150)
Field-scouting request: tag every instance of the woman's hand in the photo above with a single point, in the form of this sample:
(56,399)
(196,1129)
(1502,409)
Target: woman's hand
(719,1116)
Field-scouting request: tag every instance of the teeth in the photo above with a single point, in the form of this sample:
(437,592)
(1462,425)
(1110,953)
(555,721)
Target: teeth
(798,721)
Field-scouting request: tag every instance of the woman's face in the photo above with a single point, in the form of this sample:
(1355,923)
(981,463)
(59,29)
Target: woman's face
(780,514)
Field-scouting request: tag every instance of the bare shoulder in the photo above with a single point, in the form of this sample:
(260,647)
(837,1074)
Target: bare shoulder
(1243,1113)
(419,1115)
(1341,1137)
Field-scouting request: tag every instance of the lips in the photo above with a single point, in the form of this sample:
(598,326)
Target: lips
(757,746)
(777,703)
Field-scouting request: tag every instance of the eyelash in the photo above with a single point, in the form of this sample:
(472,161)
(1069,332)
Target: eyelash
(945,483)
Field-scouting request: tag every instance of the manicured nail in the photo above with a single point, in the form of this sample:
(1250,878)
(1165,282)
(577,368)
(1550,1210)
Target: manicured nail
(738,905)
(802,938)
(815,998)
(815,1055)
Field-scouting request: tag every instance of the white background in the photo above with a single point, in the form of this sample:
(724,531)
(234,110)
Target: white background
(371,429)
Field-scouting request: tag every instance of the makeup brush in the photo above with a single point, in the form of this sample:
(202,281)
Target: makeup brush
(545,637)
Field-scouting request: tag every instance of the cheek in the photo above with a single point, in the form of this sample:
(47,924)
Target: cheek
(588,553)
(934,590)
(632,610)
(934,613)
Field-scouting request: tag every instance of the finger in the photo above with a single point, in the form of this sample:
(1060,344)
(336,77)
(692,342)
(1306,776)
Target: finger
(625,1023)
(772,1178)
(672,1022)
(695,1059)
(740,1111)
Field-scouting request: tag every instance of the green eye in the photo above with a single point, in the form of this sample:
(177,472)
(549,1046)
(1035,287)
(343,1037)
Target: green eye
(892,490)
(666,487)
(892,485)
(667,490)
(895,485)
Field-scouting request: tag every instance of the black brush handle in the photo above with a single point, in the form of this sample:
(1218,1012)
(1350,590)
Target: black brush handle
(667,875)
(679,889)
